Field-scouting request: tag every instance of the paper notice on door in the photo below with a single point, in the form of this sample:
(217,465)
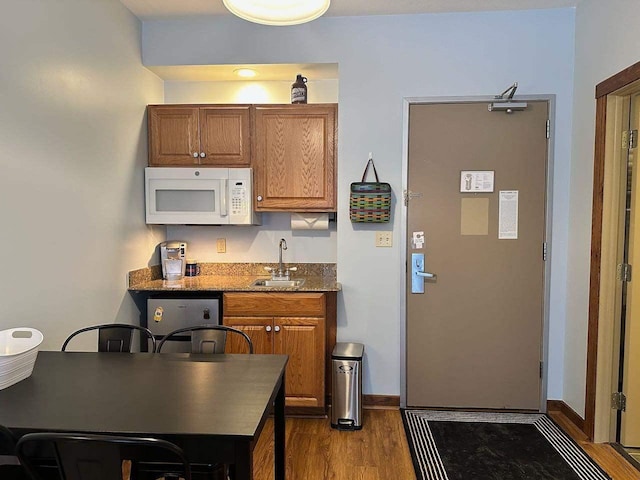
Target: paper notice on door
(508,215)
(474,216)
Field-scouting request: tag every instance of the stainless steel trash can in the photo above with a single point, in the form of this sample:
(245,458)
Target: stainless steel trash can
(346,382)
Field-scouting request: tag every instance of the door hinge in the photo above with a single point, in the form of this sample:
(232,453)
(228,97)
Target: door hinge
(408,195)
(544,251)
(629,139)
(624,272)
(541,368)
(619,401)
(548,128)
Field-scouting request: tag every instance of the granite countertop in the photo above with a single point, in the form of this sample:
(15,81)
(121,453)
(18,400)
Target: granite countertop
(235,277)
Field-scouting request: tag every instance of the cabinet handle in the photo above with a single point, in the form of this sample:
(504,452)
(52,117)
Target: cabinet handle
(202,154)
(259,198)
(277,328)
(268,328)
(195,154)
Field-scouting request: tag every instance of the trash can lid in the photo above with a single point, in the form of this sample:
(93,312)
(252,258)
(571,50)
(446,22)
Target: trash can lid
(345,350)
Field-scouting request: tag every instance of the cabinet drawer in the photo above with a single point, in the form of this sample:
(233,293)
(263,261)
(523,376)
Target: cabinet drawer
(274,304)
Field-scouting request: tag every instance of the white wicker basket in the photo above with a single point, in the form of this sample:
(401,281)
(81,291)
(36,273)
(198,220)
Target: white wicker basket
(18,353)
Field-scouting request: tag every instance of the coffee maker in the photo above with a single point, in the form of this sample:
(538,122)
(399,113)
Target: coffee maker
(173,256)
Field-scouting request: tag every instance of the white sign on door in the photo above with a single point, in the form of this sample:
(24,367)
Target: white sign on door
(476,181)
(508,215)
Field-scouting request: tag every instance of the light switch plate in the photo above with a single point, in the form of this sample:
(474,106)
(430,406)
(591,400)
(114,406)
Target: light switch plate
(221,245)
(384,239)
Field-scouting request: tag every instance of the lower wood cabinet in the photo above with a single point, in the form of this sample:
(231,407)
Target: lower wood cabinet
(295,324)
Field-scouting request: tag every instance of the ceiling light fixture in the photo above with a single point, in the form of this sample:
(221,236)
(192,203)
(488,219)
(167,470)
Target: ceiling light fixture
(278,12)
(245,72)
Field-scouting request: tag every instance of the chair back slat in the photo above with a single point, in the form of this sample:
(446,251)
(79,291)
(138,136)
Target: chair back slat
(81,460)
(114,337)
(208,341)
(206,338)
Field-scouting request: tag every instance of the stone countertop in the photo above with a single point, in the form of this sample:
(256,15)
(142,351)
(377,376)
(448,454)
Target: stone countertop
(235,283)
(223,278)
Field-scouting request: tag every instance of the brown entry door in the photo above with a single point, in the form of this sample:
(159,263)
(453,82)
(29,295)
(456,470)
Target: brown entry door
(474,337)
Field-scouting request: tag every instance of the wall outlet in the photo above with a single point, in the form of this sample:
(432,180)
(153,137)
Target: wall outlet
(221,245)
(384,239)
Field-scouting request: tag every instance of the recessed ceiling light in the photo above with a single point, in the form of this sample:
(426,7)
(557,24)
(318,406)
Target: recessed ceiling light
(278,12)
(245,72)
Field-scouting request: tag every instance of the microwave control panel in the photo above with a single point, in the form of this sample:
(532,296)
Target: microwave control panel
(239,194)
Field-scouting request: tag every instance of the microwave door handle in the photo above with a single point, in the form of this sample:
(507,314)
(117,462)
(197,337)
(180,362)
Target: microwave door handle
(224,188)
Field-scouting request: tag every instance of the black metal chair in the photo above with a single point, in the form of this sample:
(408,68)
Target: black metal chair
(205,338)
(10,471)
(102,457)
(208,339)
(114,337)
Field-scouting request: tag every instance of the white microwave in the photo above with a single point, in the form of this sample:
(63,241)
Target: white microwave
(199,196)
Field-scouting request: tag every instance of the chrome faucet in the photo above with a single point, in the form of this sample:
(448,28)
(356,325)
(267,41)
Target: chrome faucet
(281,273)
(281,246)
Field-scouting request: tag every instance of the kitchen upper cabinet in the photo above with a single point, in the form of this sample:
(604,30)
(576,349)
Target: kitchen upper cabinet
(174,136)
(188,135)
(293,324)
(295,157)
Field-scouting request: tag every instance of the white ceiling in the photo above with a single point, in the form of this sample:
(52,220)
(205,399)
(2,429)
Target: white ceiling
(156,9)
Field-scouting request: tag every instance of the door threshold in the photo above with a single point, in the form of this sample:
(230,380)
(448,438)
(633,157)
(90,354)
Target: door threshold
(631,455)
(473,409)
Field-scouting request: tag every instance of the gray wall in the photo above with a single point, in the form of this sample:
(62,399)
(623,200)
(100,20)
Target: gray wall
(382,60)
(73,147)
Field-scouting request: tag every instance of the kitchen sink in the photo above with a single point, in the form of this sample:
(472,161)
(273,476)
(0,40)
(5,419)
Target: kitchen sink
(262,282)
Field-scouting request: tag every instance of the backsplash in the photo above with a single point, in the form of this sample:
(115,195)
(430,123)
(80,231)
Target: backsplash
(325,270)
(251,244)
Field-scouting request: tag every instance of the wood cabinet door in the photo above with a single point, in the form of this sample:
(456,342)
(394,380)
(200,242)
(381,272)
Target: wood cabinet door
(259,329)
(225,137)
(303,339)
(174,136)
(294,162)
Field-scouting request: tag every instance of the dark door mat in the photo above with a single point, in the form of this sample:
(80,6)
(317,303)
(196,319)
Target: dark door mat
(493,446)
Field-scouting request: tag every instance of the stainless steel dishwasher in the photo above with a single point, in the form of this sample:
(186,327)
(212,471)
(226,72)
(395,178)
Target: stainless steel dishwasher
(165,315)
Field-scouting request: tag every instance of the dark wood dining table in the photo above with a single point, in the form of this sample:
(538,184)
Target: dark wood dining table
(213,406)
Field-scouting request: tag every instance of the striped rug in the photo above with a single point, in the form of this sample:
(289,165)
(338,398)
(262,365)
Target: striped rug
(493,446)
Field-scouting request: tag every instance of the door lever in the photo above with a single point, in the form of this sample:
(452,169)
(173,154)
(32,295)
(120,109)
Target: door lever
(418,274)
(425,274)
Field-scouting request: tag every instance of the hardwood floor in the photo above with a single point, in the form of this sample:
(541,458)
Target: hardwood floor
(605,455)
(379,451)
(315,451)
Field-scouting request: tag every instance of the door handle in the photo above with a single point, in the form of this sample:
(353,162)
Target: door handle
(224,189)
(425,274)
(418,274)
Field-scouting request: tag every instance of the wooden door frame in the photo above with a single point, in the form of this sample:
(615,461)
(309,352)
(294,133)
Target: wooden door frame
(609,86)
(407,102)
